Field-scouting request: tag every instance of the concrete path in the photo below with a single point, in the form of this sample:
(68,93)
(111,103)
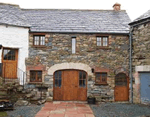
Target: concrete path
(65,109)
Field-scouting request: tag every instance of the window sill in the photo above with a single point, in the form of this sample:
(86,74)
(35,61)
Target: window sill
(101,47)
(40,82)
(38,46)
(101,84)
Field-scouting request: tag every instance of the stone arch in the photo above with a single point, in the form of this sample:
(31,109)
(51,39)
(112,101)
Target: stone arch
(79,66)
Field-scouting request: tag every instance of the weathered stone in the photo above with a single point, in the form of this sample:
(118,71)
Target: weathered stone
(41,102)
(58,53)
(29,95)
(49,99)
(21,103)
(19,88)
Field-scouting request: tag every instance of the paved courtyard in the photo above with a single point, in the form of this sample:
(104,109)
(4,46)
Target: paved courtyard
(65,109)
(76,109)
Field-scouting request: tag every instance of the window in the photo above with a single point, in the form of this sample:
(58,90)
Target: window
(9,54)
(58,79)
(102,41)
(35,76)
(101,78)
(121,79)
(73,45)
(39,40)
(82,79)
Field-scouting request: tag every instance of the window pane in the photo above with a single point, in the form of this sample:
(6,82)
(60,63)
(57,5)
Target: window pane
(73,45)
(82,79)
(59,74)
(121,79)
(9,54)
(5,54)
(105,41)
(13,54)
(80,83)
(105,44)
(98,77)
(84,82)
(104,76)
(42,42)
(32,76)
(58,78)
(98,41)
(36,40)
(56,83)
(80,75)
(39,75)
(98,38)
(84,75)
(56,74)
(59,83)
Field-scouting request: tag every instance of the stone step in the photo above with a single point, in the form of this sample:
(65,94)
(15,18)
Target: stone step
(3,93)
(3,97)
(3,90)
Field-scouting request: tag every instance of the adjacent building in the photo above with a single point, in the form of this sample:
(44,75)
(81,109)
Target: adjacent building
(141,58)
(14,33)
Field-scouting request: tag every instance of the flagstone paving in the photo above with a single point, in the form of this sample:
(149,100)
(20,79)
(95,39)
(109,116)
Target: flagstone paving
(65,109)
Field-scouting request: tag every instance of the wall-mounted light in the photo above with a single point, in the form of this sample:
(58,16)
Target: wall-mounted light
(92,70)
(0,46)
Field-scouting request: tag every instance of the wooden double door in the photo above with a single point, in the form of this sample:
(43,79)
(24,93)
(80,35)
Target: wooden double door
(70,85)
(121,87)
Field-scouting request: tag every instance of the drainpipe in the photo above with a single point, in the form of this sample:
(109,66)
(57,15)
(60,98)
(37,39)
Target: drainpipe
(130,65)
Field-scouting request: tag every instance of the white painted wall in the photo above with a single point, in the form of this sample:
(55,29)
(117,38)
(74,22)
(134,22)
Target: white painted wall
(15,37)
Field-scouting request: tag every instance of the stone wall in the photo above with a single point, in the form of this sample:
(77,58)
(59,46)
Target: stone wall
(58,51)
(141,56)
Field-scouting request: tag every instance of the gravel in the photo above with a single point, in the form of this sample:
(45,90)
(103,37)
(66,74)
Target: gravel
(120,110)
(24,111)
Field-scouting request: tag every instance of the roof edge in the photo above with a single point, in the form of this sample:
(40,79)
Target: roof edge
(16,5)
(138,21)
(14,25)
(113,33)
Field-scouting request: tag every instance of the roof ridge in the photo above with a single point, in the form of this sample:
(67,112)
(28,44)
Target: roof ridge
(16,5)
(74,9)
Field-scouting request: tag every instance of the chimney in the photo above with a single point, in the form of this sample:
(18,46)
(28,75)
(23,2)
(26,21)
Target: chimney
(117,6)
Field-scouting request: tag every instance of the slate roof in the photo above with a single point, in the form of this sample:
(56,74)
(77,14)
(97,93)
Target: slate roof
(66,20)
(12,15)
(141,18)
(84,21)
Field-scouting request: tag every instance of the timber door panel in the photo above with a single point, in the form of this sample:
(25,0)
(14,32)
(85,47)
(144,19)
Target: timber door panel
(58,85)
(82,91)
(70,85)
(121,92)
(10,61)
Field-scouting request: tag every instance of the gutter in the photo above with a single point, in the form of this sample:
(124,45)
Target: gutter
(130,64)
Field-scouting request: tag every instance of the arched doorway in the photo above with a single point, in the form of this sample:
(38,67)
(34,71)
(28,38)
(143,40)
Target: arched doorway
(121,92)
(70,85)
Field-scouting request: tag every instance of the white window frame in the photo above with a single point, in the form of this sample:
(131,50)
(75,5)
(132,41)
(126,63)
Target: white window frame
(73,45)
